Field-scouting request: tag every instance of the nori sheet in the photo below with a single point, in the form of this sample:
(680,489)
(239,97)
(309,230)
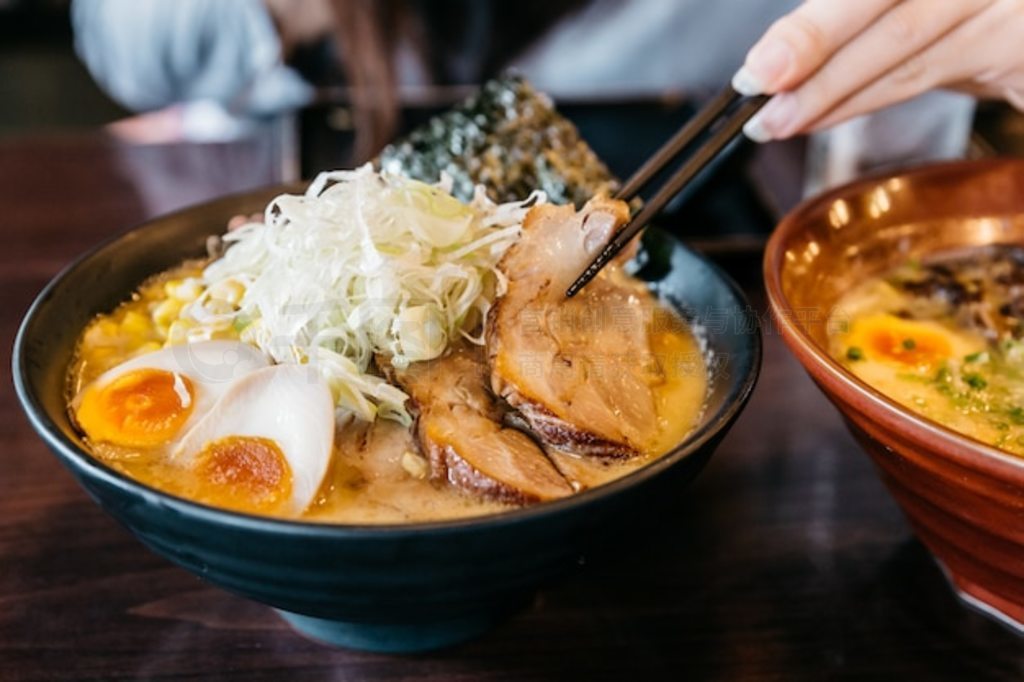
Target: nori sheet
(509,138)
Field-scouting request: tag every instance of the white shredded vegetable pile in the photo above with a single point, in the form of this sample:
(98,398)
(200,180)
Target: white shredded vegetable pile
(362,264)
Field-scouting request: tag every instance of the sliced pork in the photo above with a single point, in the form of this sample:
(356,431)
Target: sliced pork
(579,371)
(461,431)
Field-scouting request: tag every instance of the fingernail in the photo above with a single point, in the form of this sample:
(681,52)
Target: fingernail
(768,63)
(755,130)
(774,120)
(746,83)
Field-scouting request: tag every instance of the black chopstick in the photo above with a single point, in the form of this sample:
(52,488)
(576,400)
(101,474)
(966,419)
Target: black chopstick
(696,125)
(723,131)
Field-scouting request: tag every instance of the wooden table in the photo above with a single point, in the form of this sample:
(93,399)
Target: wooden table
(785,560)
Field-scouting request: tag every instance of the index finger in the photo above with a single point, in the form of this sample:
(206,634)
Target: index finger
(796,46)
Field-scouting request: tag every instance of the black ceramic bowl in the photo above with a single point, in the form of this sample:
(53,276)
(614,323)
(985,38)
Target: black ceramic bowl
(386,588)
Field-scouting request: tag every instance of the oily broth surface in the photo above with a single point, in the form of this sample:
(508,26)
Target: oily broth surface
(950,356)
(129,330)
(367,483)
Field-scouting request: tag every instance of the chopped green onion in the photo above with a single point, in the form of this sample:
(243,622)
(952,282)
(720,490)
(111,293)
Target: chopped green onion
(975,381)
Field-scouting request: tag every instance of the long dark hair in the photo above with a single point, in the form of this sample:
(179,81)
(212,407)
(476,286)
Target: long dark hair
(459,41)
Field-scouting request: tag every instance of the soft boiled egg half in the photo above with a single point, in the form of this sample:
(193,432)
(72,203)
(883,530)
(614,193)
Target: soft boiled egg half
(907,345)
(154,398)
(884,350)
(248,435)
(267,442)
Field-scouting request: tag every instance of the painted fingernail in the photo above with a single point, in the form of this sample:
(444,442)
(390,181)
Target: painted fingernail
(768,62)
(774,120)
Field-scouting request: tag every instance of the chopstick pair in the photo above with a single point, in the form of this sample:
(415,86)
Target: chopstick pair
(722,119)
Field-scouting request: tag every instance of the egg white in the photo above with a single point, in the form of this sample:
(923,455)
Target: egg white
(288,404)
(211,367)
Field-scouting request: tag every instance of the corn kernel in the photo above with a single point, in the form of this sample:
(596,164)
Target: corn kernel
(415,465)
(166,312)
(170,285)
(135,324)
(108,327)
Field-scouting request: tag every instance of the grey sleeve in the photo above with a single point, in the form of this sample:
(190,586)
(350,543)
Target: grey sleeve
(149,54)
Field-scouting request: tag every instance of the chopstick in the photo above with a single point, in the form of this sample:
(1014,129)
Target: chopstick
(722,129)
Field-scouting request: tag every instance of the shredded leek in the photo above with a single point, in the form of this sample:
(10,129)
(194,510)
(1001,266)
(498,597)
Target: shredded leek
(362,265)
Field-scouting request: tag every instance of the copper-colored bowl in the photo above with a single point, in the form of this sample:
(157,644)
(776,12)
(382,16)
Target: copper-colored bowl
(964,499)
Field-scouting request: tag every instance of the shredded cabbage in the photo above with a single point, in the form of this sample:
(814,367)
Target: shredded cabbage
(363,264)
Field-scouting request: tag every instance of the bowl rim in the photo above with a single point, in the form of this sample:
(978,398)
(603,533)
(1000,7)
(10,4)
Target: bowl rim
(960,447)
(77,459)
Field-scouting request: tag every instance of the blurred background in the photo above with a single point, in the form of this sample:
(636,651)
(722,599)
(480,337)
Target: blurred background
(278,90)
(44,87)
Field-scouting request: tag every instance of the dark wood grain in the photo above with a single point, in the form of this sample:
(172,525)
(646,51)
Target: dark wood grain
(785,560)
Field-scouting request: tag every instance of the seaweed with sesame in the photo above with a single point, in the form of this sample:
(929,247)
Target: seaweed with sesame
(508,138)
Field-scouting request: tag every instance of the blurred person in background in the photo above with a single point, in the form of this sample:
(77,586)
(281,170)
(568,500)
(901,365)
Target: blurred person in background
(206,65)
(257,58)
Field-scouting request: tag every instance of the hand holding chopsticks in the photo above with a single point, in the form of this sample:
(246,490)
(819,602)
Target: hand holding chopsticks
(722,120)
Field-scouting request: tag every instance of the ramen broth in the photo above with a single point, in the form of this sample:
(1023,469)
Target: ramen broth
(945,338)
(376,475)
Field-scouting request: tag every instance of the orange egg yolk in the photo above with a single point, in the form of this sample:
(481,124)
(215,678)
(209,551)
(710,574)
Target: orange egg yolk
(919,349)
(907,343)
(244,472)
(141,408)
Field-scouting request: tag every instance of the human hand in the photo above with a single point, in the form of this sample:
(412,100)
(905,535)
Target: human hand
(161,126)
(829,61)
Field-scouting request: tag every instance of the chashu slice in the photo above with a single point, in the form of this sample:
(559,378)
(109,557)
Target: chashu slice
(459,427)
(580,371)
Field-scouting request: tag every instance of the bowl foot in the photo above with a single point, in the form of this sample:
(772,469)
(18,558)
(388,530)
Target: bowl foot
(985,602)
(394,638)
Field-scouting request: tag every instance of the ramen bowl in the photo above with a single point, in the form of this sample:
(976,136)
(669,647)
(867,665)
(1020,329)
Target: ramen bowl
(398,588)
(963,498)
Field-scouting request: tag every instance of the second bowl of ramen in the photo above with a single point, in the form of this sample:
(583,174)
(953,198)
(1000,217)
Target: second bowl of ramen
(903,298)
